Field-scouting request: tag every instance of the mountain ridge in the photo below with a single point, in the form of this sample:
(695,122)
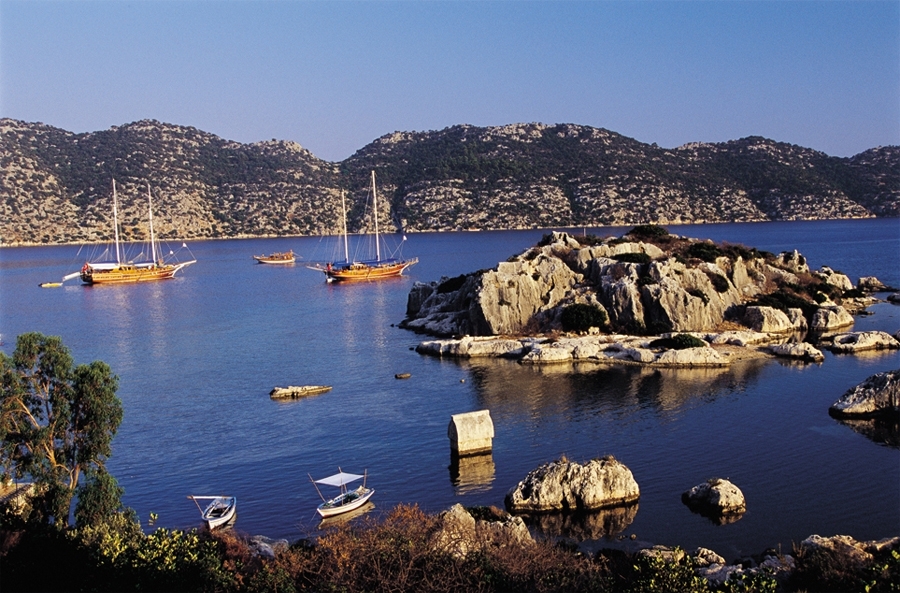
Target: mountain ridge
(56,185)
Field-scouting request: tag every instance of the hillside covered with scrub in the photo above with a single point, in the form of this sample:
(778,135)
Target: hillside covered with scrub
(56,185)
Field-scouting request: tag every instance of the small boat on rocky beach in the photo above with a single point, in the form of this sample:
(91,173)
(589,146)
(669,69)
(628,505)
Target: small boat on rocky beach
(284,257)
(347,500)
(220,511)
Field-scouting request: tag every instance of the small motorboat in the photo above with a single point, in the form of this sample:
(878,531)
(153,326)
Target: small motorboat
(221,510)
(285,257)
(347,500)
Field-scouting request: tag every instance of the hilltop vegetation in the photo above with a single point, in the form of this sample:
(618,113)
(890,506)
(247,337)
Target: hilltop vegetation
(56,184)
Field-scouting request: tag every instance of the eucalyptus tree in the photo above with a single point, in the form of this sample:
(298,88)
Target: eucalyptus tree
(57,422)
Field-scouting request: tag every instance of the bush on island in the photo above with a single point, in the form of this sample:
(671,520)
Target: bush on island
(678,342)
(581,317)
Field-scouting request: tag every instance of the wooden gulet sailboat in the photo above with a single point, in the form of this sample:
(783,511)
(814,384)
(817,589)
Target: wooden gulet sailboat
(124,272)
(376,269)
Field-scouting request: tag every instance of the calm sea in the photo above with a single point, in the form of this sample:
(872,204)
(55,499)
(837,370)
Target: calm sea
(198,355)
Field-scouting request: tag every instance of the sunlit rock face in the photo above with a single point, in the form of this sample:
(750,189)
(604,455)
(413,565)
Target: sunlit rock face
(879,394)
(687,285)
(716,496)
(564,485)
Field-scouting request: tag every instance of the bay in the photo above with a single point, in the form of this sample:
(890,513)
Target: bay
(198,355)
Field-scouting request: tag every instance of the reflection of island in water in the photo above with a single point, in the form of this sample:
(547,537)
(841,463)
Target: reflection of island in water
(583,526)
(716,518)
(471,473)
(592,388)
(884,430)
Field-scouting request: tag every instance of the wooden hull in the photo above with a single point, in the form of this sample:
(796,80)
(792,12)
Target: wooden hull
(345,502)
(276,258)
(362,271)
(127,274)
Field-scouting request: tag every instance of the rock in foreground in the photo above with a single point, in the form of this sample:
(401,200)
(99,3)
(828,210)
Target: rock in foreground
(568,486)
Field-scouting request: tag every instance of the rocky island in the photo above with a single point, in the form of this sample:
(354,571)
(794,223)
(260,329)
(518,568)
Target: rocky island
(648,297)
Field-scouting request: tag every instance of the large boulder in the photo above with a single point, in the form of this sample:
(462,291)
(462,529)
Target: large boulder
(768,320)
(799,350)
(862,341)
(717,496)
(879,394)
(830,318)
(829,276)
(871,284)
(460,533)
(563,486)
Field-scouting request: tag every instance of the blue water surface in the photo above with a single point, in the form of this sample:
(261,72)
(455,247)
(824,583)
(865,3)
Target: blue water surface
(198,355)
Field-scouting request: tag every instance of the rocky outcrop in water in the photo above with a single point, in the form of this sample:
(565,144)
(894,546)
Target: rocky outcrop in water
(568,486)
(879,394)
(716,496)
(862,341)
(646,282)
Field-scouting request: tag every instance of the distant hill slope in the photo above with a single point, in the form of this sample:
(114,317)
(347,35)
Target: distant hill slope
(56,185)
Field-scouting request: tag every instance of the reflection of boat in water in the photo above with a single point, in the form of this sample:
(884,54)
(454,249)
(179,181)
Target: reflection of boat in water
(126,272)
(375,269)
(347,500)
(284,257)
(220,511)
(340,519)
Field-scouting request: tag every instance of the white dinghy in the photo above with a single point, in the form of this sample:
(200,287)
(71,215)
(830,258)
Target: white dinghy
(220,511)
(347,500)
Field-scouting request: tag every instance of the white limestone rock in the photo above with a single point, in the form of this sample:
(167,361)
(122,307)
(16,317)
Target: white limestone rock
(799,350)
(862,341)
(716,495)
(792,261)
(878,394)
(739,338)
(692,357)
(830,318)
(768,320)
(833,278)
(563,485)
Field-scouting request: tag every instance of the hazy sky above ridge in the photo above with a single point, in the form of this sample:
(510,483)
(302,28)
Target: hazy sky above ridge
(335,75)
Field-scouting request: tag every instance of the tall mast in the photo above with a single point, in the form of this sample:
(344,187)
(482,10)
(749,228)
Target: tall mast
(375,206)
(344,210)
(116,223)
(152,238)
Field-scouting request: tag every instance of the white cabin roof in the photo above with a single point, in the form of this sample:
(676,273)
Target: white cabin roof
(339,479)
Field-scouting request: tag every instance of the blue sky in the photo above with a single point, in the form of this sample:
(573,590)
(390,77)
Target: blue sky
(335,75)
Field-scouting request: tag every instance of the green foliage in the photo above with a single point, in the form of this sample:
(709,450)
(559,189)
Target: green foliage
(757,582)
(57,421)
(581,317)
(697,293)
(678,342)
(658,575)
(719,282)
(783,300)
(99,498)
(648,231)
(703,251)
(175,561)
(633,258)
